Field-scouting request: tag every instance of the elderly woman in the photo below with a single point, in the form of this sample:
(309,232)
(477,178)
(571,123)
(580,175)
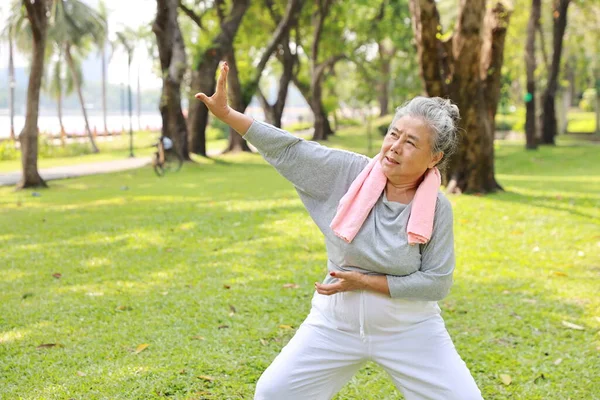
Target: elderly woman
(379,300)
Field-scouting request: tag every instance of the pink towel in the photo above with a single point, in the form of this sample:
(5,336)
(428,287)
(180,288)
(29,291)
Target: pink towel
(364,192)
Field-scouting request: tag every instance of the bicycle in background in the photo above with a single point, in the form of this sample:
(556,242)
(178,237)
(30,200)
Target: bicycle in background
(166,159)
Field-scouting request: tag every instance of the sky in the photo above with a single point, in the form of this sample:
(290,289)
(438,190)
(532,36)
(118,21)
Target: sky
(132,13)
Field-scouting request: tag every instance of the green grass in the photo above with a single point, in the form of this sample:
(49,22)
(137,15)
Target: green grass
(163,261)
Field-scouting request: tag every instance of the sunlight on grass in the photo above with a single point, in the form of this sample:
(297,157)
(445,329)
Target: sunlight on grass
(194,264)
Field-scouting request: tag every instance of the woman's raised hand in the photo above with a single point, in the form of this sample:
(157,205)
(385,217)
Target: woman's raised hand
(217,103)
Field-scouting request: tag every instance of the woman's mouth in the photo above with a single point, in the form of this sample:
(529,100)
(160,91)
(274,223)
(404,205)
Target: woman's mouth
(389,160)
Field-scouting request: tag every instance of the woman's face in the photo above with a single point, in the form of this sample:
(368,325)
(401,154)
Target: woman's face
(406,150)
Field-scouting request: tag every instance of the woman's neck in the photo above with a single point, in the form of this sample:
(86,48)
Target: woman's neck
(401,193)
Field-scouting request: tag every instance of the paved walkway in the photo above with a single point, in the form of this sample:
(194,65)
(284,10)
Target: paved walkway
(72,171)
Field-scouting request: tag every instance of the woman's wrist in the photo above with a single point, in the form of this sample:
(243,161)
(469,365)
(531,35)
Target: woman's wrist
(375,283)
(238,121)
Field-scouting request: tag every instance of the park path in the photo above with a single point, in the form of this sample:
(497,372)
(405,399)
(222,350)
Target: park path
(103,167)
(77,170)
(73,171)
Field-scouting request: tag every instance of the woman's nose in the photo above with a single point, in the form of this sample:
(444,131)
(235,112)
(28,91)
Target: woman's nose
(397,146)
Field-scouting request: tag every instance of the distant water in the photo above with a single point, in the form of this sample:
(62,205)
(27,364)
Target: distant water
(74,123)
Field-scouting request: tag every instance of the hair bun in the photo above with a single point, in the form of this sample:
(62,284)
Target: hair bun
(450,109)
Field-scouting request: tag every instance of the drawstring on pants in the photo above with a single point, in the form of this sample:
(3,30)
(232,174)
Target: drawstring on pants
(362,316)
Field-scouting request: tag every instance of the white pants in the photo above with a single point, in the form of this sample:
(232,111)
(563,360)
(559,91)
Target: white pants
(344,331)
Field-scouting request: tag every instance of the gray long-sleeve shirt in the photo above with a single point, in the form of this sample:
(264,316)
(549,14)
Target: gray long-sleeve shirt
(321,176)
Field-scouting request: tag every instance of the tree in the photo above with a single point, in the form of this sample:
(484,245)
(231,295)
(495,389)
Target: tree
(205,65)
(102,43)
(126,39)
(173,64)
(466,67)
(11,79)
(37,14)
(322,128)
(530,61)
(241,92)
(74,24)
(559,14)
(58,85)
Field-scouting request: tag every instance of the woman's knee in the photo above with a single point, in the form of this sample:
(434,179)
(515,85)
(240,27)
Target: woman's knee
(270,387)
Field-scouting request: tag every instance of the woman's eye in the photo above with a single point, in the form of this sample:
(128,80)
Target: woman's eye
(412,144)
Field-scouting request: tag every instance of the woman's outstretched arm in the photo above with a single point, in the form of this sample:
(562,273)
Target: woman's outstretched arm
(315,170)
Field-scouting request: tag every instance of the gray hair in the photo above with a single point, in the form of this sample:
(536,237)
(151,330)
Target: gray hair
(441,116)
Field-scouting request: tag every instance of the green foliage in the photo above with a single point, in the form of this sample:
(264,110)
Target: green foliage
(298,126)
(217,129)
(8,151)
(589,100)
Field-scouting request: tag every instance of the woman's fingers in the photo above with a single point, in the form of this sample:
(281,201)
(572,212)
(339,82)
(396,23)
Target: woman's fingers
(202,97)
(327,289)
(222,83)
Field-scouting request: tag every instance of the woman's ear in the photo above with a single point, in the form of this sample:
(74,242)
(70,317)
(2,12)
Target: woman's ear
(436,159)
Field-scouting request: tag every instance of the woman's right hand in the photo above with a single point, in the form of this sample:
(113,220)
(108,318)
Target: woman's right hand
(217,103)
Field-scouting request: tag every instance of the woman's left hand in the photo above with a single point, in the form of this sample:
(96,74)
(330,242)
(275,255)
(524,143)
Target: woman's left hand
(347,282)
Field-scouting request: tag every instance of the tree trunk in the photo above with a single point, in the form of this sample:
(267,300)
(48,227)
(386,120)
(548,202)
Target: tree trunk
(530,62)
(322,126)
(241,95)
(317,111)
(104,88)
(236,101)
(322,129)
(203,76)
(139,101)
(129,103)
(468,72)
(80,95)
(597,100)
(11,83)
(560,8)
(383,97)
(173,63)
(274,113)
(38,20)
(63,134)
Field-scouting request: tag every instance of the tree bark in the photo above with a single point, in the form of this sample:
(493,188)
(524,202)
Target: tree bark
(322,129)
(240,94)
(77,84)
(103,54)
(236,101)
(203,76)
(306,93)
(63,134)
(466,69)
(549,130)
(11,83)
(38,20)
(173,64)
(530,62)
(274,113)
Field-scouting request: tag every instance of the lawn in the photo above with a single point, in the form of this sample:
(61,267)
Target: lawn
(178,287)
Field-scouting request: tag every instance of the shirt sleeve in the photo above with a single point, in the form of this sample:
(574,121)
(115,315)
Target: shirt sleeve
(433,281)
(314,170)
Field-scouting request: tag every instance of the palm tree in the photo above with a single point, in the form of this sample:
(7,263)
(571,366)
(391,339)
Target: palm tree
(126,39)
(58,84)
(37,13)
(102,43)
(74,24)
(11,80)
